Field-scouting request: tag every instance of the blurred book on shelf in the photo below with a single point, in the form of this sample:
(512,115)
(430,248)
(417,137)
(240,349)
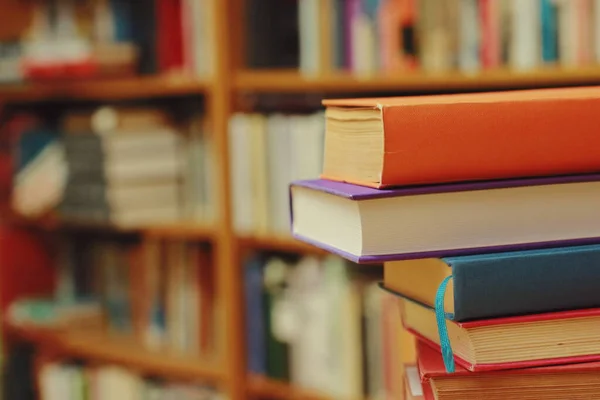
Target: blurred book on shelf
(47,312)
(369,37)
(10,61)
(124,166)
(71,381)
(267,153)
(579,380)
(69,39)
(324,325)
(27,272)
(100,286)
(271,34)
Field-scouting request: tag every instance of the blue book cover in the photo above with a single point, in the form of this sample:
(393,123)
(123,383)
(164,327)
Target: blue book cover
(31,144)
(122,16)
(39,173)
(255,329)
(505,284)
(548,12)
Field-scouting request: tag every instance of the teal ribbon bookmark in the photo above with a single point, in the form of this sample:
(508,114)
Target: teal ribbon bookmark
(440,317)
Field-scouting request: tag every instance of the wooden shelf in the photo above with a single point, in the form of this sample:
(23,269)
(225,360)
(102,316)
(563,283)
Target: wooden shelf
(293,81)
(265,388)
(103,89)
(182,231)
(126,352)
(278,243)
(179,230)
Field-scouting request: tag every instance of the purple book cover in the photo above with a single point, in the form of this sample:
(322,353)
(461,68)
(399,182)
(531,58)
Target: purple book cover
(357,193)
(352,12)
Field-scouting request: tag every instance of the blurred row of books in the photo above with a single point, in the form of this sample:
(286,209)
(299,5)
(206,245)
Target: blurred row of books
(82,39)
(160,294)
(68,39)
(267,152)
(126,166)
(324,325)
(64,381)
(135,167)
(373,36)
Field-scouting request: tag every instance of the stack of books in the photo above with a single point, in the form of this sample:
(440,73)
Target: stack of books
(484,209)
(127,166)
(124,167)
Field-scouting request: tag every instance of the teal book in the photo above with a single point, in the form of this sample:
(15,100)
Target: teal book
(502,284)
(549,18)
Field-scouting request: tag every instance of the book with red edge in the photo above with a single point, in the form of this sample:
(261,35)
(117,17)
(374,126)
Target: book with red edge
(573,381)
(526,341)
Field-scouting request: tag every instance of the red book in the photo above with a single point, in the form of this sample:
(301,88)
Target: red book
(514,342)
(203,260)
(490,33)
(170,35)
(27,268)
(580,380)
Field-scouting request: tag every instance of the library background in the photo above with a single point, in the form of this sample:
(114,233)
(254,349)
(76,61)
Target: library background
(146,151)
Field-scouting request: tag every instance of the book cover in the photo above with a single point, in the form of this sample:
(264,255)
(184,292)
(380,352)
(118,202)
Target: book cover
(549,15)
(480,136)
(256,337)
(504,284)
(567,356)
(431,365)
(548,381)
(360,193)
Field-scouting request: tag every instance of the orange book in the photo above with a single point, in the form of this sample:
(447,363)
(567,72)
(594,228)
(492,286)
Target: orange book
(398,141)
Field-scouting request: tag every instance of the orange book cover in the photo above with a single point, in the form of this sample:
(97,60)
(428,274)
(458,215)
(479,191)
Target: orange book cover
(484,136)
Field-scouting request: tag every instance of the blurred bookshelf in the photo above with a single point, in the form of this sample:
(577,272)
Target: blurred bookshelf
(174,230)
(265,388)
(277,243)
(335,82)
(119,350)
(233,85)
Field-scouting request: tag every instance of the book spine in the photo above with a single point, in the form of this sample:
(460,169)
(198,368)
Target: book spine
(490,35)
(121,11)
(584,32)
(549,14)
(352,12)
(596,29)
(338,34)
(255,336)
(469,33)
(144,28)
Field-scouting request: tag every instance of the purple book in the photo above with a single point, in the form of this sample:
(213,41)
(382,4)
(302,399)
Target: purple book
(352,12)
(444,220)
